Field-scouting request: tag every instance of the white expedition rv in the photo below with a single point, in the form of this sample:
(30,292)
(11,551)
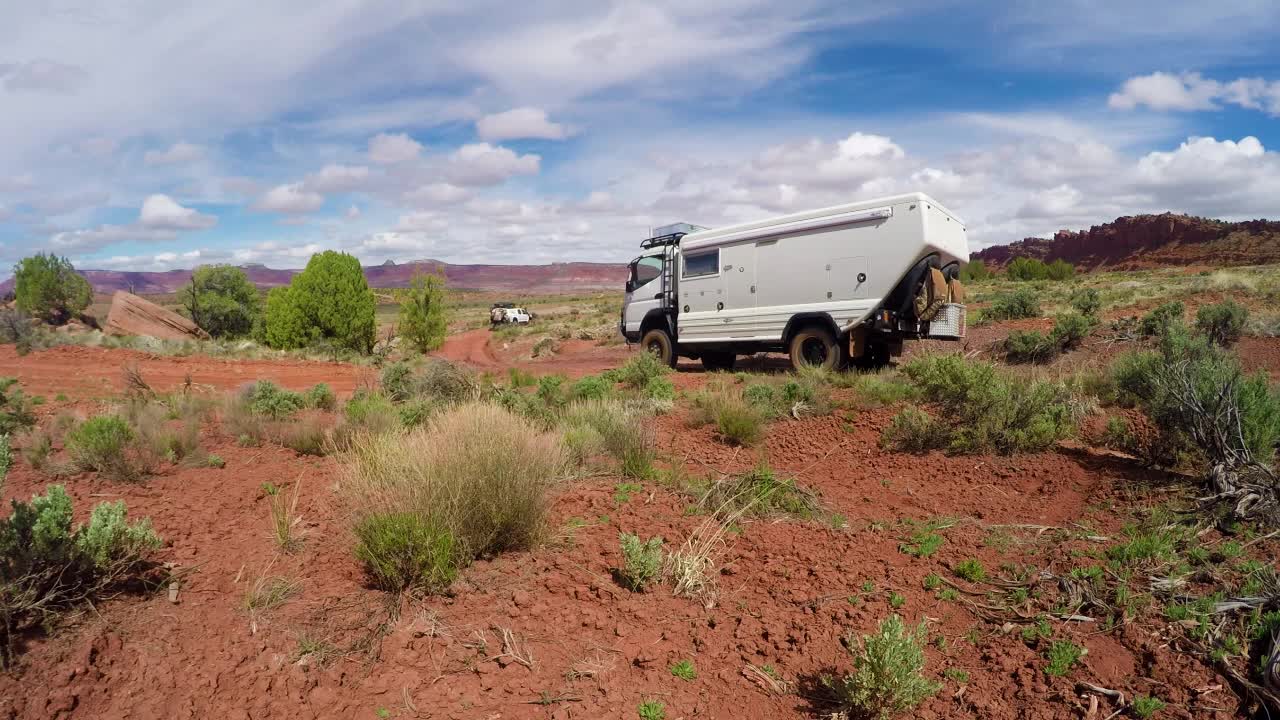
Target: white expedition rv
(840,285)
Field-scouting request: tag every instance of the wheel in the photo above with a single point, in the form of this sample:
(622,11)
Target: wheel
(658,342)
(712,361)
(814,347)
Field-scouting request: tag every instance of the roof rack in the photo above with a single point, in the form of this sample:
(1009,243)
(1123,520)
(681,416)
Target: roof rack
(662,240)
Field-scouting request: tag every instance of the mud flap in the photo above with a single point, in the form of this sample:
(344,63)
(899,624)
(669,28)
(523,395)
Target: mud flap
(857,341)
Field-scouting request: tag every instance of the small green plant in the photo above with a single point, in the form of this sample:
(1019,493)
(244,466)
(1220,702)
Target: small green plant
(1087,302)
(269,592)
(896,600)
(622,492)
(641,561)
(948,594)
(215,461)
(971,570)
(320,397)
(923,543)
(15,409)
(759,492)
(1062,656)
(591,387)
(932,581)
(684,670)
(267,399)
(1034,632)
(956,675)
(739,424)
(1145,706)
(101,444)
(639,370)
(651,709)
(1021,303)
(887,676)
(284,521)
(1161,319)
(1118,435)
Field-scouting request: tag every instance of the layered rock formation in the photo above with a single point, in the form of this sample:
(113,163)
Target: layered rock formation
(1145,241)
(132,315)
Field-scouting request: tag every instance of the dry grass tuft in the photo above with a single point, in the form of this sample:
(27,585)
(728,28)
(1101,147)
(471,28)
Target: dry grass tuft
(475,476)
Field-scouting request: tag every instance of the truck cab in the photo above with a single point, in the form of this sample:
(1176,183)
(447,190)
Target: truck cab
(830,287)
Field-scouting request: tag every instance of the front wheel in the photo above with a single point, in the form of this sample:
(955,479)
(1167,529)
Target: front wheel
(814,347)
(712,361)
(658,342)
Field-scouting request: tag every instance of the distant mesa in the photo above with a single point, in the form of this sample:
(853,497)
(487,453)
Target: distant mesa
(535,279)
(1148,241)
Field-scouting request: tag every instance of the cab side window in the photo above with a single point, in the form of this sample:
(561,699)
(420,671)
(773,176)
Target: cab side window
(707,263)
(647,269)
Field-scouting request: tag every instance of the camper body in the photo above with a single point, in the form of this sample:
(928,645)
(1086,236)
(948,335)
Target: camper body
(829,286)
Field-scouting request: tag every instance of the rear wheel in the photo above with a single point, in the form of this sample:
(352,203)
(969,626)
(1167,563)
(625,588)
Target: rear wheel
(814,347)
(658,342)
(713,361)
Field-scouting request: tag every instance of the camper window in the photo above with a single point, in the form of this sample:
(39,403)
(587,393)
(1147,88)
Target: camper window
(707,263)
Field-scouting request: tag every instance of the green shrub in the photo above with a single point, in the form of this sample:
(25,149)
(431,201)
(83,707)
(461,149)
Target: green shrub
(1029,346)
(406,550)
(639,370)
(1189,388)
(305,437)
(1161,319)
(591,387)
(423,315)
(551,390)
(762,396)
(984,409)
(329,301)
(887,677)
(15,409)
(1223,323)
(1070,330)
(6,459)
(1020,303)
(1060,270)
(47,566)
(221,300)
(660,389)
(267,399)
(1117,434)
(102,444)
(398,382)
(320,397)
(641,561)
(48,287)
(417,412)
(975,271)
(371,413)
(915,431)
(1087,302)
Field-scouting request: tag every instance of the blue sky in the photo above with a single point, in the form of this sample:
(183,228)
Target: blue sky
(146,135)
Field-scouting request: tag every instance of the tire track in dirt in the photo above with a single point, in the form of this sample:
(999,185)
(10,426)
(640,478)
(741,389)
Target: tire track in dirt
(471,347)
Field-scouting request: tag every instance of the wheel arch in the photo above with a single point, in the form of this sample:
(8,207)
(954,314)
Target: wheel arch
(799,321)
(656,318)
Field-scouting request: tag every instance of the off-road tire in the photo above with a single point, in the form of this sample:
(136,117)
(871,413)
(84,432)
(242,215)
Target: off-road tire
(712,361)
(658,342)
(814,346)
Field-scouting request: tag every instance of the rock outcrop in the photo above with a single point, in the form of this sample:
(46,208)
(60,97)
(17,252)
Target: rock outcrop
(132,315)
(1145,241)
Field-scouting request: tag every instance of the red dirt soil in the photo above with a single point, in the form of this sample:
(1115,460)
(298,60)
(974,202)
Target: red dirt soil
(788,591)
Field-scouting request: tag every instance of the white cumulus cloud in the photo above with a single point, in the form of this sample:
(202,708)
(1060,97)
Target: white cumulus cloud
(485,164)
(1192,91)
(385,149)
(338,178)
(290,199)
(162,212)
(520,123)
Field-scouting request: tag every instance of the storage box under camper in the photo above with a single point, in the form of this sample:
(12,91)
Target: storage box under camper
(868,274)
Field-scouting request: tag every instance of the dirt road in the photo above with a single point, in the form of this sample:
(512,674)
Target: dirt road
(98,372)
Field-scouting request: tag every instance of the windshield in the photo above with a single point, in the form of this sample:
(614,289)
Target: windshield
(645,269)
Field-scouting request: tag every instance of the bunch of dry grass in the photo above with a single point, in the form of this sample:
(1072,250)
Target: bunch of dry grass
(476,473)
